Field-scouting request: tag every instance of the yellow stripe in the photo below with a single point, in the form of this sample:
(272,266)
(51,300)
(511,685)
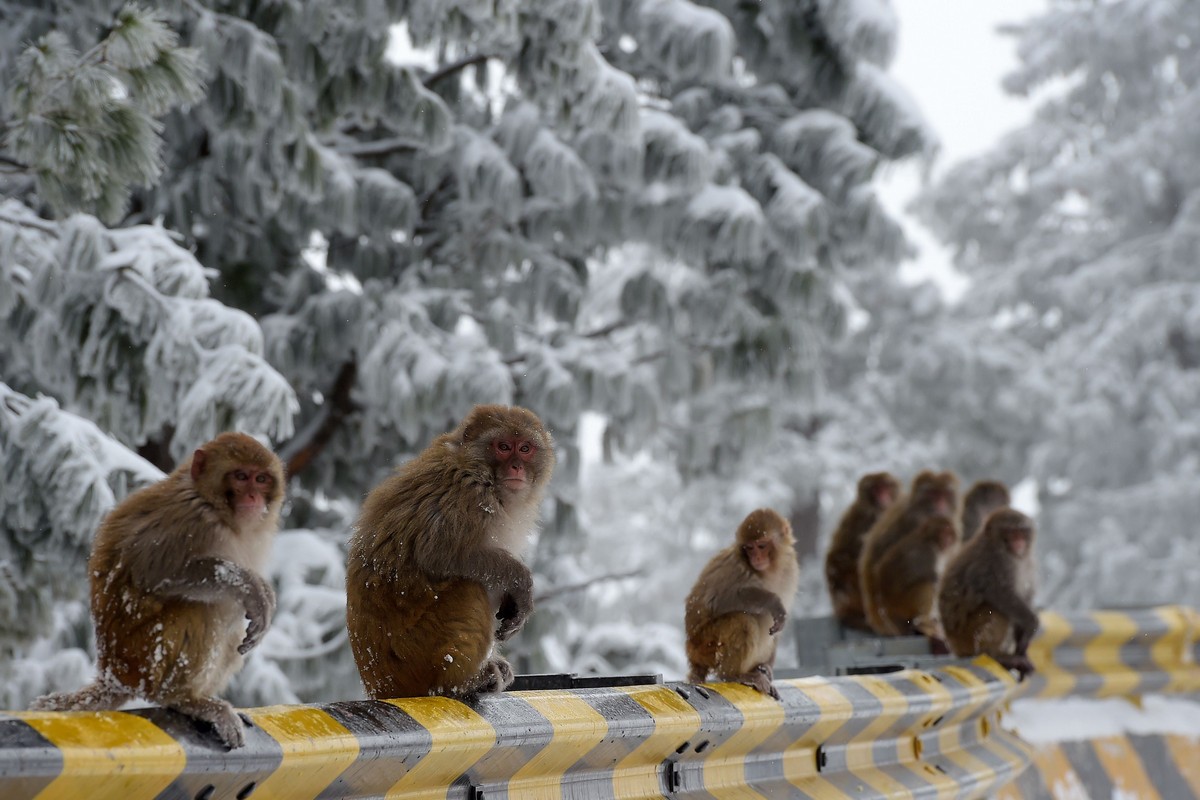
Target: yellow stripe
(577,729)
(460,738)
(1053,631)
(942,702)
(725,768)
(1173,651)
(800,758)
(675,721)
(1057,774)
(860,759)
(1185,752)
(316,750)
(1103,656)
(107,755)
(1124,768)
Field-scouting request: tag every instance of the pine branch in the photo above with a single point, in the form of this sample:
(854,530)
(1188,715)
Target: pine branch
(571,588)
(306,445)
(36,224)
(383,147)
(454,67)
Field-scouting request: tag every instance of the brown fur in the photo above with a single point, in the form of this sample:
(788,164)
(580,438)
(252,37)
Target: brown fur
(876,492)
(434,560)
(175,571)
(982,499)
(931,493)
(908,574)
(734,612)
(986,593)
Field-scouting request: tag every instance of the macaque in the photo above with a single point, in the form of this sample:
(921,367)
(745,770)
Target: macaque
(433,577)
(740,602)
(985,596)
(876,492)
(175,572)
(908,575)
(931,494)
(982,499)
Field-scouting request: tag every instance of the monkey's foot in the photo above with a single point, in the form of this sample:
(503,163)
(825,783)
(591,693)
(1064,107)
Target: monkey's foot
(217,713)
(760,678)
(495,676)
(1021,664)
(98,696)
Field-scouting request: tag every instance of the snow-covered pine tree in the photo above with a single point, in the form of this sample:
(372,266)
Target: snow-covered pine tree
(640,208)
(1080,231)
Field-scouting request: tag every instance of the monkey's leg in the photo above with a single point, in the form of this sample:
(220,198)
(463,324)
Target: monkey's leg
(697,672)
(216,712)
(100,695)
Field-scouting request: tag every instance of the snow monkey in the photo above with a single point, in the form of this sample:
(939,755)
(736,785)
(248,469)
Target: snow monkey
(433,576)
(739,603)
(175,571)
(984,600)
(931,494)
(876,492)
(982,499)
(908,577)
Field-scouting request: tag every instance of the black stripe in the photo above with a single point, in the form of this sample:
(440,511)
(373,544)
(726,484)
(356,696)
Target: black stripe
(1087,766)
(381,729)
(28,760)
(1160,766)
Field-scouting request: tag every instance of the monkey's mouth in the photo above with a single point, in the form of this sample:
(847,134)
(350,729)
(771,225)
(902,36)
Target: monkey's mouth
(513,483)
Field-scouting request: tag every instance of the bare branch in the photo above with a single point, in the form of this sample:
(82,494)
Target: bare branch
(308,443)
(454,67)
(571,588)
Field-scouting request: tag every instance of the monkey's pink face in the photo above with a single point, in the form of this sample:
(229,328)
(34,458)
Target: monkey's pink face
(512,455)
(938,499)
(248,490)
(759,554)
(884,495)
(1018,542)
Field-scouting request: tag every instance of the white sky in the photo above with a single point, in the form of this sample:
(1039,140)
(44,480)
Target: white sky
(951,59)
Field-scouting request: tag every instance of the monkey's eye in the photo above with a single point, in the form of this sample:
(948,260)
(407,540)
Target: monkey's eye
(261,477)
(526,448)
(241,475)
(503,447)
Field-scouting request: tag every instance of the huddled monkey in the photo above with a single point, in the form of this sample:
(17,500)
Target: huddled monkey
(987,590)
(982,499)
(176,570)
(434,577)
(740,602)
(930,494)
(876,493)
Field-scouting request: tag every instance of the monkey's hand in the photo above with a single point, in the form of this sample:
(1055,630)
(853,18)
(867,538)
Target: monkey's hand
(515,607)
(259,600)
(778,617)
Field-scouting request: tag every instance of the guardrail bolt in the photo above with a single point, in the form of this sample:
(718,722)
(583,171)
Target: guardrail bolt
(247,790)
(822,759)
(206,793)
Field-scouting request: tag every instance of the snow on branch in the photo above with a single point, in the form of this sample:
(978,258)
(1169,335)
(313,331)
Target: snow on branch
(691,44)
(823,148)
(485,177)
(555,171)
(675,156)
(797,212)
(724,224)
(862,29)
(887,114)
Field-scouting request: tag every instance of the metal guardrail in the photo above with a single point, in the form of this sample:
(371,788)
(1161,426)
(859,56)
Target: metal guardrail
(910,733)
(919,733)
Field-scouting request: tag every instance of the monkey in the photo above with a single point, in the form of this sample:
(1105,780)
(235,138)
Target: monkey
(740,602)
(434,578)
(982,499)
(908,576)
(931,493)
(175,571)
(985,597)
(876,492)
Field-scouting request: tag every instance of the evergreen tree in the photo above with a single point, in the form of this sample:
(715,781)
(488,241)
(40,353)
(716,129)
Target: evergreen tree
(1080,232)
(646,208)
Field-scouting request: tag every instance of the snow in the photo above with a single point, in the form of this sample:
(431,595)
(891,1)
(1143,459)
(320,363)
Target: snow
(1078,718)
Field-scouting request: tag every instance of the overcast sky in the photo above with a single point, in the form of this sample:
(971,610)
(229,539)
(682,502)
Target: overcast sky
(951,59)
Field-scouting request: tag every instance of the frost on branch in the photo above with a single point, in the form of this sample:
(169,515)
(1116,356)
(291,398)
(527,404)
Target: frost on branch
(688,42)
(723,224)
(118,326)
(62,474)
(823,148)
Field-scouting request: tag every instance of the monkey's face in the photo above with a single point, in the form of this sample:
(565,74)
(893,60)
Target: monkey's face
(1017,541)
(759,554)
(513,456)
(249,490)
(883,494)
(937,497)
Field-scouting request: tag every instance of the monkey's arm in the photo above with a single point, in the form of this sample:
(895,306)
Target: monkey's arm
(752,600)
(1024,620)
(497,569)
(207,580)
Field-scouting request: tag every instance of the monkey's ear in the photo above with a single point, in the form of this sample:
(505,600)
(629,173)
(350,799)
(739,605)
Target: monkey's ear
(198,459)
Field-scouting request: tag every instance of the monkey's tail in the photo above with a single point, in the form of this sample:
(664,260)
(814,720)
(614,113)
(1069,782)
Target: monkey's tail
(100,695)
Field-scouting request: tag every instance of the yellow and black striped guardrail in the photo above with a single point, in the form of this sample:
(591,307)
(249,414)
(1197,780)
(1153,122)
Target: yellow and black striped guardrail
(915,733)
(906,734)
(1115,653)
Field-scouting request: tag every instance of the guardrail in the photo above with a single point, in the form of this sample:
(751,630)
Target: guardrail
(931,732)
(917,734)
